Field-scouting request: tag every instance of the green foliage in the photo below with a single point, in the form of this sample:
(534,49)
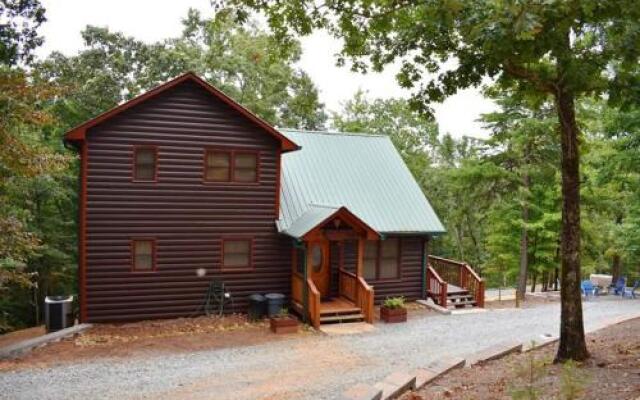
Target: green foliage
(529,375)
(242,60)
(19,35)
(572,381)
(394,302)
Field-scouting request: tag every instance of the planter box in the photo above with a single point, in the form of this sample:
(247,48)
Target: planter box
(393,314)
(284,325)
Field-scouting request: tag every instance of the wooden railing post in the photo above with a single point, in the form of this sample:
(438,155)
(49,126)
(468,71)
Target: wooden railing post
(443,294)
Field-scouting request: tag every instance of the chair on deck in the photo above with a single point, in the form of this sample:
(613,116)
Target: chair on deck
(588,289)
(631,291)
(620,285)
(217,298)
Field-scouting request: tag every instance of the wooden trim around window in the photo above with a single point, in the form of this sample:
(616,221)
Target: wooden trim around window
(155,163)
(251,266)
(232,156)
(154,259)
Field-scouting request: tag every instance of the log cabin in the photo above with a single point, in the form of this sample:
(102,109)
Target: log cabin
(182,186)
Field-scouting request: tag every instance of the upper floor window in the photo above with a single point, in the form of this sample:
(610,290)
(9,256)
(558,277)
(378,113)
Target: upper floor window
(381,259)
(231,166)
(145,160)
(144,255)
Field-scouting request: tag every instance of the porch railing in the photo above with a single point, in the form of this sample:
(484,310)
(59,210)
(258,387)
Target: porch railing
(459,274)
(357,290)
(314,304)
(436,287)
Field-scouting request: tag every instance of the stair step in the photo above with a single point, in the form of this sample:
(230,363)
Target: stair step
(461,303)
(460,297)
(341,311)
(342,318)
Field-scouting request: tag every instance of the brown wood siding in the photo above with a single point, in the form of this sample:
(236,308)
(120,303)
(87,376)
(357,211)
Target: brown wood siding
(187,217)
(409,284)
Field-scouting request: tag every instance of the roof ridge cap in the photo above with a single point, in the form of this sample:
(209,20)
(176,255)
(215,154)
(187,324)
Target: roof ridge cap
(334,133)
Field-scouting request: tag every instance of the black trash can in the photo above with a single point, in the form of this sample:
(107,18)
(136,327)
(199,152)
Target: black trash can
(275,303)
(257,307)
(58,312)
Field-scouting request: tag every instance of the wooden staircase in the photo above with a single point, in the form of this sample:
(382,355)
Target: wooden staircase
(339,310)
(458,297)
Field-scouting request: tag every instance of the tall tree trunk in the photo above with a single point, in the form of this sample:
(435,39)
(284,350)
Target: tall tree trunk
(616,268)
(572,342)
(534,278)
(524,240)
(545,281)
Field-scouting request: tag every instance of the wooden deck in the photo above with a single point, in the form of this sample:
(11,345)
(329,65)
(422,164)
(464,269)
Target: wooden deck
(337,305)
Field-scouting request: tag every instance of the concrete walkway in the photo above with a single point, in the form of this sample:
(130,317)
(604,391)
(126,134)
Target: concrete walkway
(318,367)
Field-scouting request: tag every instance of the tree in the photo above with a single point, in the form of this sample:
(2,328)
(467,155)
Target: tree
(558,49)
(242,60)
(19,34)
(413,135)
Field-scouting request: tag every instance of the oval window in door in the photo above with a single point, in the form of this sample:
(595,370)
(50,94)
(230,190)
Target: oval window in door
(316,258)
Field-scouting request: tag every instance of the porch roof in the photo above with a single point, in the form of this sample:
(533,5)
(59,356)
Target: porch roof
(363,173)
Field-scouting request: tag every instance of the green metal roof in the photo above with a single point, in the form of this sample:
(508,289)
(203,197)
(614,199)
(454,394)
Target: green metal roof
(363,173)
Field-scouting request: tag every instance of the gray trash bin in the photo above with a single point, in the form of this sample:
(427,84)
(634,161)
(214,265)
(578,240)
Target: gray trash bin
(58,312)
(275,303)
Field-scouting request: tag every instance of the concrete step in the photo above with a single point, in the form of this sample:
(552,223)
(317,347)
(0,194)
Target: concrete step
(342,311)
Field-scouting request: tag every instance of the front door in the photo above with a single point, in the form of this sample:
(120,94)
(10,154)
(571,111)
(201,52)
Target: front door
(319,266)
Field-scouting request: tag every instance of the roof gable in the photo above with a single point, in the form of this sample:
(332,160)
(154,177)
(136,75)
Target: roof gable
(79,132)
(363,173)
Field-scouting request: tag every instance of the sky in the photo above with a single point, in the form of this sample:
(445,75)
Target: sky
(154,20)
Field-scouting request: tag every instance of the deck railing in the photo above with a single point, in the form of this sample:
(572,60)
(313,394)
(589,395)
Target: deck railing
(436,287)
(347,284)
(459,274)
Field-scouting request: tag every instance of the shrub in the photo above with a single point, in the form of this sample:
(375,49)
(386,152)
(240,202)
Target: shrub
(394,302)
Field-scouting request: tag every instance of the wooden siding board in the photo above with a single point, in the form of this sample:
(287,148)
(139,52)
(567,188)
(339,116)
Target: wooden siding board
(188,218)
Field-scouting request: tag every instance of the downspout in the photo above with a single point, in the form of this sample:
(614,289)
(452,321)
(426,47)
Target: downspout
(305,288)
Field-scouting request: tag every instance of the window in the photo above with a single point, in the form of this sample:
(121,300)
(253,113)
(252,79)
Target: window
(370,260)
(231,166)
(245,167)
(381,259)
(236,253)
(145,164)
(143,255)
(218,166)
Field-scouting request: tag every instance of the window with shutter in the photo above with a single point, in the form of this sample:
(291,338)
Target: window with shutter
(145,164)
(370,260)
(381,259)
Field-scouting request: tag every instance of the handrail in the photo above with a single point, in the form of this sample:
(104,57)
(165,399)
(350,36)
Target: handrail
(439,288)
(314,304)
(462,275)
(365,297)
(347,285)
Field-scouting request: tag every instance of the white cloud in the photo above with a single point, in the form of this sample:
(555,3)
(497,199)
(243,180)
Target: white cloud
(150,21)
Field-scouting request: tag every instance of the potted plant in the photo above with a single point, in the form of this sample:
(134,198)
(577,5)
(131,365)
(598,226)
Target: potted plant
(283,322)
(393,310)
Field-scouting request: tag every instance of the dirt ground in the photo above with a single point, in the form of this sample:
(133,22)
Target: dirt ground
(531,301)
(612,372)
(148,337)
(18,336)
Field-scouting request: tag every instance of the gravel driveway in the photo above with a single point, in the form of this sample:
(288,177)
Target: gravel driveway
(318,367)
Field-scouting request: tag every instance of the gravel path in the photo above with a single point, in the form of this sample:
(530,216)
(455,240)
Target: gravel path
(318,367)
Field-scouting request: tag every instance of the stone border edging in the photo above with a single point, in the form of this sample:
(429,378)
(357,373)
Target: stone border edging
(25,346)
(434,307)
(398,383)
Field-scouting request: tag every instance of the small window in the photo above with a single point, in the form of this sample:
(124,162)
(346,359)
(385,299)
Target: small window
(389,254)
(218,166)
(236,253)
(370,260)
(316,258)
(145,164)
(245,167)
(381,259)
(143,255)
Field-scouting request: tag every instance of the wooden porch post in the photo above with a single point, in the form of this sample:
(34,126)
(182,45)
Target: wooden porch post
(360,263)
